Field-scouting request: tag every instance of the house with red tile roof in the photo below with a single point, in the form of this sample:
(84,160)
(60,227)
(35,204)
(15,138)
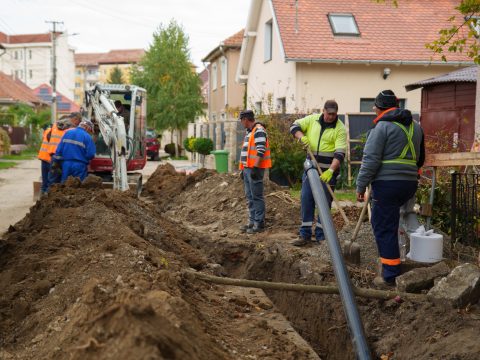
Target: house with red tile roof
(91,68)
(298,54)
(13,91)
(65,105)
(28,57)
(225,94)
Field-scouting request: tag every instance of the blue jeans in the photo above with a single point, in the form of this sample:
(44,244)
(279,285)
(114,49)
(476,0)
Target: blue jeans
(45,171)
(387,197)
(75,169)
(254,195)
(308,209)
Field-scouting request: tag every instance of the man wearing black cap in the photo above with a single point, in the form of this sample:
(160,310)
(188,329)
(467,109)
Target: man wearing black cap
(326,137)
(393,153)
(254,159)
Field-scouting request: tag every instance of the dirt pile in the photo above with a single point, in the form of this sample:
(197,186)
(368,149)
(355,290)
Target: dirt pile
(96,274)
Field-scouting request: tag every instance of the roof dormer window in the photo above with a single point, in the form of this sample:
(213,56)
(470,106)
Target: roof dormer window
(343,24)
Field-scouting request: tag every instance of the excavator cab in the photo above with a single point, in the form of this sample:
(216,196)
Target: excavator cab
(130,103)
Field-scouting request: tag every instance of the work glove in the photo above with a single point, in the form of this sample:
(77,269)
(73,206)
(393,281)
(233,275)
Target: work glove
(255,173)
(326,176)
(304,141)
(241,175)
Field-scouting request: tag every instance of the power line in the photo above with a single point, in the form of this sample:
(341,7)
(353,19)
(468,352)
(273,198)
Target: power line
(54,67)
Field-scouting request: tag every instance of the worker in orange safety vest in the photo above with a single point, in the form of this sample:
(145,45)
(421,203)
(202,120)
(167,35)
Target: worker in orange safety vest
(45,158)
(58,129)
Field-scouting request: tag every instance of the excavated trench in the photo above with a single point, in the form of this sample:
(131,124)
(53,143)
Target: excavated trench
(318,318)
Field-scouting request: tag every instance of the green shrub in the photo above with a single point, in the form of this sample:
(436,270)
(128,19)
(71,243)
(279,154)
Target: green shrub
(203,146)
(287,154)
(4,142)
(188,143)
(170,149)
(442,203)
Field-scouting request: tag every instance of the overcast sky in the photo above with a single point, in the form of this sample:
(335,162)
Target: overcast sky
(126,24)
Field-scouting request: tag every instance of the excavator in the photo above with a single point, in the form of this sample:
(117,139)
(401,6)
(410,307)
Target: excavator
(120,141)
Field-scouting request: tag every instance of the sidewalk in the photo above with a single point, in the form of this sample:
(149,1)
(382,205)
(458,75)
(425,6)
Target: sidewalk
(185,166)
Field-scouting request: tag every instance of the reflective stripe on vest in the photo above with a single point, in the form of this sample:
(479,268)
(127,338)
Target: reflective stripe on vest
(43,154)
(55,138)
(265,161)
(401,159)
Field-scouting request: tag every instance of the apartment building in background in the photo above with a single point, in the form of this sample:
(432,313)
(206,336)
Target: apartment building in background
(91,68)
(29,57)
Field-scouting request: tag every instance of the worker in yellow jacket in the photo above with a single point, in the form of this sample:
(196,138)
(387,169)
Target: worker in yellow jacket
(325,135)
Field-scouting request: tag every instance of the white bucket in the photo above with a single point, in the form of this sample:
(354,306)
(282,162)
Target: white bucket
(426,248)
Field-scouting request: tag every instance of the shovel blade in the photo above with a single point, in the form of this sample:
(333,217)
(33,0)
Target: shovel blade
(351,252)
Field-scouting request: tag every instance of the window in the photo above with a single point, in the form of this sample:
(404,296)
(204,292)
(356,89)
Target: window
(91,72)
(15,56)
(223,72)
(343,24)
(79,72)
(268,42)
(214,76)
(30,54)
(258,107)
(281,105)
(77,85)
(30,73)
(366,104)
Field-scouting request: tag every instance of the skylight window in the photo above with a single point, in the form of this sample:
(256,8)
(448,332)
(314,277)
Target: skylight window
(343,24)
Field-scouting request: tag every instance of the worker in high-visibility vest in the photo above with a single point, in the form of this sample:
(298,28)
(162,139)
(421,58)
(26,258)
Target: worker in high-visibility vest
(325,135)
(254,159)
(45,158)
(393,153)
(58,129)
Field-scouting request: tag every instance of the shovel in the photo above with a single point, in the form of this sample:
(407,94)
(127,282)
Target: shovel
(351,249)
(345,219)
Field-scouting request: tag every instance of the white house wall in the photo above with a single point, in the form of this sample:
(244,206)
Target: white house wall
(273,79)
(347,84)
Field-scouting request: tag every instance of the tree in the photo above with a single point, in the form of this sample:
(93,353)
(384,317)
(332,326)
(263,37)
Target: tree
(452,38)
(115,76)
(174,96)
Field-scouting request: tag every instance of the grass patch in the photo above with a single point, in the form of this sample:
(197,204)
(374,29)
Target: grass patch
(24,155)
(7,164)
(341,195)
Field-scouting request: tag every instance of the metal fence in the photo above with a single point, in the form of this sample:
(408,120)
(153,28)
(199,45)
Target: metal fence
(465,210)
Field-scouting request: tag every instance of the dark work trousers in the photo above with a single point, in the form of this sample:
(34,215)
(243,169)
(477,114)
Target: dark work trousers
(254,195)
(308,208)
(45,171)
(387,197)
(74,168)
(55,173)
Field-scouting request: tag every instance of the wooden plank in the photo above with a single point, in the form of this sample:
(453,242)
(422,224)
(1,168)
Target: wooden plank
(452,159)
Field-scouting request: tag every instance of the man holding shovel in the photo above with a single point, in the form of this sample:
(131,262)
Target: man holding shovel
(393,153)
(325,137)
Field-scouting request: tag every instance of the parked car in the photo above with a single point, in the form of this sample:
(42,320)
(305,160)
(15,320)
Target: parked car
(153,145)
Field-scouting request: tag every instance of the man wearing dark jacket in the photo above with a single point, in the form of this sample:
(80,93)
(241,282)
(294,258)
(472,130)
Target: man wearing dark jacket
(393,153)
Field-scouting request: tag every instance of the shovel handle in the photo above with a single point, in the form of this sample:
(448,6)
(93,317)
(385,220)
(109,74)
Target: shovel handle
(345,219)
(362,215)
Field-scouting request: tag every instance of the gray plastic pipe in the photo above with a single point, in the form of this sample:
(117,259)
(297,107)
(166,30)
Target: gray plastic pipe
(341,274)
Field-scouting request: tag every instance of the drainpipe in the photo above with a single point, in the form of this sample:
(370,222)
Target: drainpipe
(341,274)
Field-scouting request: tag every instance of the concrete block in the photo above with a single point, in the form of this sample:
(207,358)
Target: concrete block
(460,288)
(420,279)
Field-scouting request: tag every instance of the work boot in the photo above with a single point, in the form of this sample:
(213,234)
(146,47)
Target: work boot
(380,284)
(245,227)
(255,229)
(301,241)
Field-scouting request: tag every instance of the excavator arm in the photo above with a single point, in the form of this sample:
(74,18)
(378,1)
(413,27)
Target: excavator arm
(102,111)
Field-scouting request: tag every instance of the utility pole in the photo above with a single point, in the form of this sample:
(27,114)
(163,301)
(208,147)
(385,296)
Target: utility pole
(54,68)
